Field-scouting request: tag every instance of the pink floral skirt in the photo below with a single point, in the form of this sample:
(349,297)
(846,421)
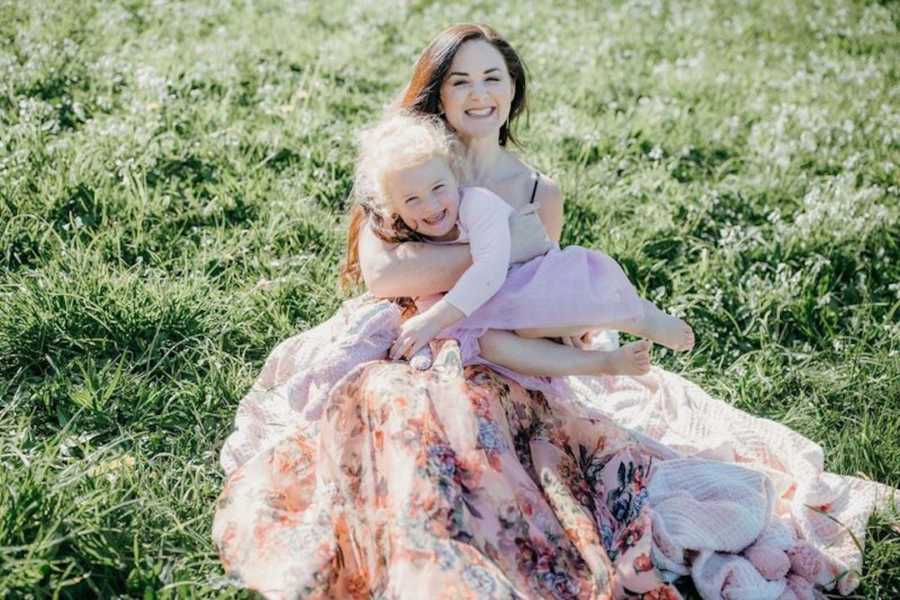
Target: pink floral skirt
(424,485)
(455,483)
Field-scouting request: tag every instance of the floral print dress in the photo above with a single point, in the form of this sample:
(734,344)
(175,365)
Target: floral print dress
(443,485)
(459,483)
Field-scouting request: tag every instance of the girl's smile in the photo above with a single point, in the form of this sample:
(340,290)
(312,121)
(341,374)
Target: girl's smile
(436,220)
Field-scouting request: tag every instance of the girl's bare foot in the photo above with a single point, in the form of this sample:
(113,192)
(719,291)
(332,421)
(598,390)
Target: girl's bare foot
(630,359)
(665,329)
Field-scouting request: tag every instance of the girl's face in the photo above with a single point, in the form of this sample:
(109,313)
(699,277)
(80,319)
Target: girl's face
(477,92)
(426,196)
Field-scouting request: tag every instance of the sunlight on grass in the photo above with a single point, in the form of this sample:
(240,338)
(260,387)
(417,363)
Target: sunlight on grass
(173,178)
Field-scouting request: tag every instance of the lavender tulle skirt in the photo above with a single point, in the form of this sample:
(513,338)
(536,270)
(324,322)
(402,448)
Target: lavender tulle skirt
(574,287)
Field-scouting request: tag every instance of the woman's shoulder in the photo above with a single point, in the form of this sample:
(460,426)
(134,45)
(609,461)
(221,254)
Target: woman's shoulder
(473,192)
(537,187)
(548,199)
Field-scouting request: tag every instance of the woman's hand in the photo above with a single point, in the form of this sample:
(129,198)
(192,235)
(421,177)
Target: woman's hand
(527,236)
(415,333)
(536,227)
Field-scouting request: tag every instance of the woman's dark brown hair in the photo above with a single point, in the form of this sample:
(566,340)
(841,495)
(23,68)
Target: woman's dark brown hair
(423,95)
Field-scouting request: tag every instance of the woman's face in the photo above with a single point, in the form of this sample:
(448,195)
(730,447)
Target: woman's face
(426,197)
(477,92)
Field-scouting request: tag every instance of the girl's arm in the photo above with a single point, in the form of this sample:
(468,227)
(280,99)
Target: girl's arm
(485,217)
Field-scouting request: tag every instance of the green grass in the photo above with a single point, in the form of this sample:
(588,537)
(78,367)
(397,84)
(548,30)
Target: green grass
(172,183)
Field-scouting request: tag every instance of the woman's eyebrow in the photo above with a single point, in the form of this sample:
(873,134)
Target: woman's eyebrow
(462,74)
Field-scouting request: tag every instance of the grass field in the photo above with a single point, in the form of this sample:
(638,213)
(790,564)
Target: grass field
(173,177)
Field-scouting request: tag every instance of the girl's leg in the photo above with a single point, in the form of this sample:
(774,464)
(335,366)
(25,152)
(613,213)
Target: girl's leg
(543,358)
(660,327)
(552,332)
(653,324)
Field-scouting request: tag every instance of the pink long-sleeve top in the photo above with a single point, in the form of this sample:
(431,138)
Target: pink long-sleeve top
(483,223)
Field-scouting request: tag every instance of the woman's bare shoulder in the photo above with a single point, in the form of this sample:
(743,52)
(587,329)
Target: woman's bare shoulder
(547,188)
(547,192)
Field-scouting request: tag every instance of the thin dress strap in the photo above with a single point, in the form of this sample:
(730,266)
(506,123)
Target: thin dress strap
(537,178)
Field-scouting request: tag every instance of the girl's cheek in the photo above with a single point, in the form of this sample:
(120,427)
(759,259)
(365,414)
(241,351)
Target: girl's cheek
(415,212)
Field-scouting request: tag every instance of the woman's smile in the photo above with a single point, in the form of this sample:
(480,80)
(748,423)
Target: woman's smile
(481,113)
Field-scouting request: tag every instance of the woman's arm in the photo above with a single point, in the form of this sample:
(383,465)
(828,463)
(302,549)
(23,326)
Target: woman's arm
(411,268)
(420,269)
(550,200)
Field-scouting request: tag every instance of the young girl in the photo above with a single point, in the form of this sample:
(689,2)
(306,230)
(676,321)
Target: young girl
(407,182)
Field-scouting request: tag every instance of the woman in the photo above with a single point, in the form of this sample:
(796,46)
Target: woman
(450,484)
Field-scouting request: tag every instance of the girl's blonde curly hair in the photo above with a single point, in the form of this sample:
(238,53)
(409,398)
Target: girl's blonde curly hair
(399,141)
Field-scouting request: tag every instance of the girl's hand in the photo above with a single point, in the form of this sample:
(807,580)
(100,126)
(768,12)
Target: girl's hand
(415,333)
